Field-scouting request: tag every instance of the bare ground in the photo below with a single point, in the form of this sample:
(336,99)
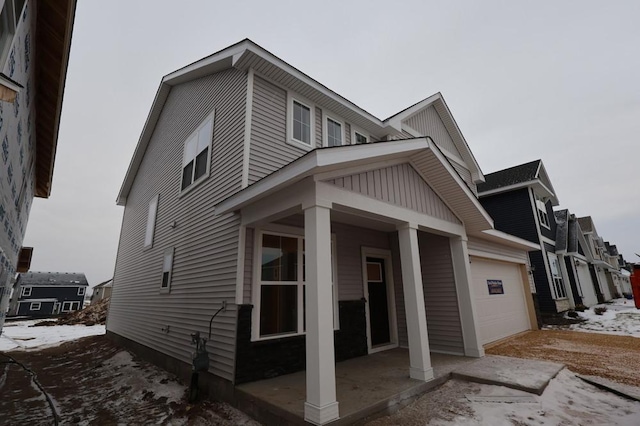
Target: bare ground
(93,382)
(613,357)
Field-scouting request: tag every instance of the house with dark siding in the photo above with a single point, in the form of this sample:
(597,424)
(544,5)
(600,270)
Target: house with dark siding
(295,230)
(43,294)
(602,263)
(520,200)
(34,53)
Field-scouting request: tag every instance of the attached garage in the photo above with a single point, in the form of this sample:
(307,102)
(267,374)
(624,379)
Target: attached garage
(500,300)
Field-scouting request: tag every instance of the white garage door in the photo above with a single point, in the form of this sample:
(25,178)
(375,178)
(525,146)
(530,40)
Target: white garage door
(499,297)
(589,297)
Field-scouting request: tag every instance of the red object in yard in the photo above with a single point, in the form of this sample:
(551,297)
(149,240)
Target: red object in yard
(635,284)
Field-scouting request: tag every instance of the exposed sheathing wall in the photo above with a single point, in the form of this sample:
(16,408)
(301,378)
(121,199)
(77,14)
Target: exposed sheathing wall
(400,185)
(17,151)
(204,265)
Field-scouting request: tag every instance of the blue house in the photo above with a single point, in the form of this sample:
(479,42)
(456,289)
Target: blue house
(42,294)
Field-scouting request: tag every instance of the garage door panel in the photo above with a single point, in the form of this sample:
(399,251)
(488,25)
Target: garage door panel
(499,315)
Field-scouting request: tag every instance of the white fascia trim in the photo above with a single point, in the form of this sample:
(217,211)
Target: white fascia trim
(506,188)
(547,240)
(225,58)
(37,300)
(246,152)
(509,240)
(338,157)
(488,255)
(412,110)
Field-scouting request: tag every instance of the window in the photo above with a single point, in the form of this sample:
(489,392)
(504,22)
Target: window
(542,211)
(300,123)
(167,266)
(26,291)
(151,222)
(556,277)
(67,307)
(333,132)
(280,291)
(196,158)
(81,291)
(359,138)
(35,306)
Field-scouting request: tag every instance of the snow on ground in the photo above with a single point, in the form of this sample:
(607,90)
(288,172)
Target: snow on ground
(621,318)
(566,401)
(20,335)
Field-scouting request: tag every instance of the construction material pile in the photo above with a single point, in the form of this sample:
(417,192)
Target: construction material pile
(91,315)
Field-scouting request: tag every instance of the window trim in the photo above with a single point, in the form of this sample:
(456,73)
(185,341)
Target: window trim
(291,98)
(151,222)
(23,292)
(557,281)
(81,291)
(168,253)
(195,182)
(325,130)
(32,308)
(291,232)
(62,309)
(355,130)
(542,210)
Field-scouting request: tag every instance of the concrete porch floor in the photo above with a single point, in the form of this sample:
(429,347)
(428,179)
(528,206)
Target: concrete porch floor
(366,386)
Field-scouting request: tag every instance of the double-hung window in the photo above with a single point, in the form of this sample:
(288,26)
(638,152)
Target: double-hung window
(556,277)
(151,221)
(167,268)
(359,138)
(334,132)
(197,156)
(81,291)
(280,291)
(26,291)
(542,211)
(300,123)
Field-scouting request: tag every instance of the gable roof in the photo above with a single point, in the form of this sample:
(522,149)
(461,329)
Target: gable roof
(531,174)
(107,283)
(53,279)
(423,154)
(246,55)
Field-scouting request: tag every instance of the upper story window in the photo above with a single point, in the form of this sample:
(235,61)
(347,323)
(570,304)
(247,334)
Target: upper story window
(300,122)
(151,222)
(197,157)
(542,212)
(334,132)
(359,138)
(81,291)
(26,291)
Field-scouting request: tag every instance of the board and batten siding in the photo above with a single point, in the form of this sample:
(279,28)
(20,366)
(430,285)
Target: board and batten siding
(400,185)
(206,245)
(440,296)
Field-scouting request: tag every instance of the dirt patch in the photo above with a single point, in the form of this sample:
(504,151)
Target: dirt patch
(91,315)
(605,355)
(92,381)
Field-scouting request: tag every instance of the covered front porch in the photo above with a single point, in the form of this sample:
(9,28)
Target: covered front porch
(367,386)
(327,239)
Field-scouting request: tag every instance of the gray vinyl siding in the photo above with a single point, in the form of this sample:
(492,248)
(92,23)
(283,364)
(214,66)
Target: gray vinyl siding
(400,185)
(206,245)
(428,123)
(441,300)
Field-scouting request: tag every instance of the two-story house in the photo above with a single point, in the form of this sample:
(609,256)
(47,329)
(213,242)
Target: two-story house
(102,291)
(599,265)
(573,250)
(43,294)
(35,38)
(322,232)
(520,199)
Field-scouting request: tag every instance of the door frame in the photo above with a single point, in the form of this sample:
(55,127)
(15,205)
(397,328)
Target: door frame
(385,255)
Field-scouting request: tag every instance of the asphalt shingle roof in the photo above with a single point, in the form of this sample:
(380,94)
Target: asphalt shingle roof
(511,176)
(53,278)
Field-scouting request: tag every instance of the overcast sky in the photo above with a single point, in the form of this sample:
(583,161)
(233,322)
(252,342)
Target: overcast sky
(555,80)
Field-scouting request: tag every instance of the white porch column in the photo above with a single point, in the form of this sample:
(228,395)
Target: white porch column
(321,406)
(419,357)
(468,318)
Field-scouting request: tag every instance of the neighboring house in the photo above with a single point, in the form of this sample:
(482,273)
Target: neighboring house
(102,291)
(34,50)
(620,280)
(600,265)
(42,294)
(573,250)
(329,233)
(520,200)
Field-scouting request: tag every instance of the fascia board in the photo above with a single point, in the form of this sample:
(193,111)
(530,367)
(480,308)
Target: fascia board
(507,188)
(495,235)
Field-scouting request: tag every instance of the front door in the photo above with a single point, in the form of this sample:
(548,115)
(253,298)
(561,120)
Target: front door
(380,304)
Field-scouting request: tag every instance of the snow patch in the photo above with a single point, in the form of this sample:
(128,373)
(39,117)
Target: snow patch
(622,318)
(21,335)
